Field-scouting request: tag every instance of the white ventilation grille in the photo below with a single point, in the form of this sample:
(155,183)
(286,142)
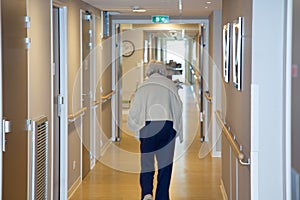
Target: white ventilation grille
(40,159)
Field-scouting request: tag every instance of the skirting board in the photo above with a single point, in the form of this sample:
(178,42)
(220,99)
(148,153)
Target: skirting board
(223,191)
(74,187)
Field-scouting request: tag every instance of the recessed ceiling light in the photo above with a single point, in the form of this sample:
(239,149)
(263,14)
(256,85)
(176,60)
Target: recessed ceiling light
(136,9)
(180,6)
(208,2)
(139,11)
(206,7)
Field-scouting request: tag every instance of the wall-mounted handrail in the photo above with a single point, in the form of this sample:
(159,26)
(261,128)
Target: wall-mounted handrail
(107,97)
(232,141)
(72,117)
(198,82)
(96,103)
(207,96)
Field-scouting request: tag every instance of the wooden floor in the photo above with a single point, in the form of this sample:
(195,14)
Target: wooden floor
(115,176)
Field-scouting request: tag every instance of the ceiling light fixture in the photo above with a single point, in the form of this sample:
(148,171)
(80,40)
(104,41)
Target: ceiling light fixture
(180,6)
(208,2)
(136,9)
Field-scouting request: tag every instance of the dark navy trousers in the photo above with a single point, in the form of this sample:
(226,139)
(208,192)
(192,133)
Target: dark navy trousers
(157,140)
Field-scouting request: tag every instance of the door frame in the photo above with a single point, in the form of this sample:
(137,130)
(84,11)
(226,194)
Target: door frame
(117,20)
(93,137)
(64,107)
(288,100)
(91,111)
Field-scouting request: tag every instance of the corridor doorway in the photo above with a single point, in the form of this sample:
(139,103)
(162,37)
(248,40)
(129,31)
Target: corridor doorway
(145,50)
(177,52)
(149,47)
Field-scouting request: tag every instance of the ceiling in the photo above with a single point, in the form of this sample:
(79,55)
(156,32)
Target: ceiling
(190,8)
(169,31)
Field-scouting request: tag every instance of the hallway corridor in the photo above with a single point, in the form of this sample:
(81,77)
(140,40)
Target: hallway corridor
(115,176)
(69,70)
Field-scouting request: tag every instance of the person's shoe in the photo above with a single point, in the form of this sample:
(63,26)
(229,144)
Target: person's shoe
(148,197)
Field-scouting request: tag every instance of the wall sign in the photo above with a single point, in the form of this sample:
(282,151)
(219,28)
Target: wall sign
(160,19)
(226,51)
(237,37)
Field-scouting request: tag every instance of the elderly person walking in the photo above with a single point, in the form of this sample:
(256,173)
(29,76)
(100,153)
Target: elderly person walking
(156,116)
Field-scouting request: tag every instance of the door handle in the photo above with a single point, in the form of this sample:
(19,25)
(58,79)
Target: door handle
(60,102)
(6,128)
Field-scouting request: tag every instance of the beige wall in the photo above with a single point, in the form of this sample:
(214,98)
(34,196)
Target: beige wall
(215,71)
(136,36)
(238,102)
(105,82)
(131,74)
(39,65)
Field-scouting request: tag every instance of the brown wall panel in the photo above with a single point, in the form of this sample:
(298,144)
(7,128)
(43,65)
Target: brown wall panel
(238,102)
(106,84)
(226,165)
(15,98)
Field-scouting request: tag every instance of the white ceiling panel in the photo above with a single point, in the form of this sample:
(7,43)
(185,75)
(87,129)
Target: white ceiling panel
(190,8)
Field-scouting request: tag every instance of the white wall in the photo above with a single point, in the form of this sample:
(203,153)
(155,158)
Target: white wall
(215,83)
(268,116)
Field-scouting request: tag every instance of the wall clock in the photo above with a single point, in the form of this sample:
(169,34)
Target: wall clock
(128,48)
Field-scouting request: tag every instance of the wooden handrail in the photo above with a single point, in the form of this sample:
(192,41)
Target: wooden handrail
(96,103)
(72,117)
(107,97)
(232,141)
(208,97)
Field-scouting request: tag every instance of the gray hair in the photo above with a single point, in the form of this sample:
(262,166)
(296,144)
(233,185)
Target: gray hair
(156,67)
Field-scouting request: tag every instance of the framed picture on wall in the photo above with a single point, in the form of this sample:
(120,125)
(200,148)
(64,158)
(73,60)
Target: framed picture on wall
(237,37)
(226,52)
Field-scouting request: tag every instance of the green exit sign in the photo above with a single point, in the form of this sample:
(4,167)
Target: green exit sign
(160,19)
